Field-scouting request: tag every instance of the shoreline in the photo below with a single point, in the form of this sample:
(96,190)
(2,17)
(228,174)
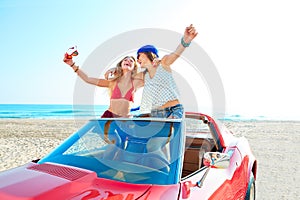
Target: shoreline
(80,118)
(274,144)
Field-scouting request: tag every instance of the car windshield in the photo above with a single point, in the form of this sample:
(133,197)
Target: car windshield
(140,151)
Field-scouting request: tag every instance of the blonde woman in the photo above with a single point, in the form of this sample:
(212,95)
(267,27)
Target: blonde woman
(122,87)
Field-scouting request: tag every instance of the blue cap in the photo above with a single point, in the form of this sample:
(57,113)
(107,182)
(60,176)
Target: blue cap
(148,48)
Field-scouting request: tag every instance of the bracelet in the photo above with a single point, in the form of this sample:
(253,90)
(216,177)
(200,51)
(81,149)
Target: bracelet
(72,64)
(184,44)
(77,68)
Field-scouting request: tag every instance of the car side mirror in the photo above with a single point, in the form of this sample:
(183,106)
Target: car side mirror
(216,160)
(211,160)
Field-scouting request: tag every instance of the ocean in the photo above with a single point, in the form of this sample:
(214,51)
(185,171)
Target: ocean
(64,111)
(47,111)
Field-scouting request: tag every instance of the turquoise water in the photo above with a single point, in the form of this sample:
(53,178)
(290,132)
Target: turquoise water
(55,111)
(45,111)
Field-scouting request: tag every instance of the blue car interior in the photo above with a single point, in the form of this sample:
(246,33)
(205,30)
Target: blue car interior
(146,151)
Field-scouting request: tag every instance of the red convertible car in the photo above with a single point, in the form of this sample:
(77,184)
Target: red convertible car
(140,159)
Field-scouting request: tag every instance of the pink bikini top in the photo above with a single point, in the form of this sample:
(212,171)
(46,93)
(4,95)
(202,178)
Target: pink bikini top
(116,93)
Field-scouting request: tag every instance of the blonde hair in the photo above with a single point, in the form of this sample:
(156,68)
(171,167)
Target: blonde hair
(118,72)
(118,69)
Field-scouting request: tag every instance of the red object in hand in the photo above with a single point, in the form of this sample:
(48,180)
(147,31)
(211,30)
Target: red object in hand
(72,51)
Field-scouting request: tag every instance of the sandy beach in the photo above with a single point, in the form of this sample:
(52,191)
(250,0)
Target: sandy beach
(274,143)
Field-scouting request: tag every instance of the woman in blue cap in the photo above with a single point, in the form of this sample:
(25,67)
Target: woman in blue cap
(160,95)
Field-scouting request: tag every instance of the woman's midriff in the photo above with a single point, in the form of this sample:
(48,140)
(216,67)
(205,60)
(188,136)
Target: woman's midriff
(120,107)
(169,104)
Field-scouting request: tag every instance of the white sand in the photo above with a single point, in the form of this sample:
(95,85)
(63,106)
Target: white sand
(274,143)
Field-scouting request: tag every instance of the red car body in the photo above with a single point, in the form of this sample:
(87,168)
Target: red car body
(189,178)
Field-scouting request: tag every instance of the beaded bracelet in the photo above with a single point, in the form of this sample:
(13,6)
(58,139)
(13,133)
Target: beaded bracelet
(184,44)
(72,64)
(77,68)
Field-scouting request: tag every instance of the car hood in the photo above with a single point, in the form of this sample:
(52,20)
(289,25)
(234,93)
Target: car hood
(52,181)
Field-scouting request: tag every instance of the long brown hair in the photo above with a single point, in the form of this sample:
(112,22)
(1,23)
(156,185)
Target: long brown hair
(151,56)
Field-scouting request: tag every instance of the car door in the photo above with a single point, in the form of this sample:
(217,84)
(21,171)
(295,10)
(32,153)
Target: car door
(218,183)
(235,177)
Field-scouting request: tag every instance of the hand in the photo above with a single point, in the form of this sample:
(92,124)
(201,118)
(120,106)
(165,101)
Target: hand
(190,33)
(110,73)
(155,62)
(67,60)
(131,68)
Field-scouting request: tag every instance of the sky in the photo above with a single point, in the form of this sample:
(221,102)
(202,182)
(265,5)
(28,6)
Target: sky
(254,45)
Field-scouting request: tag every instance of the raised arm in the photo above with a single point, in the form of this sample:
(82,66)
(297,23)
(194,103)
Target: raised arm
(84,77)
(189,34)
